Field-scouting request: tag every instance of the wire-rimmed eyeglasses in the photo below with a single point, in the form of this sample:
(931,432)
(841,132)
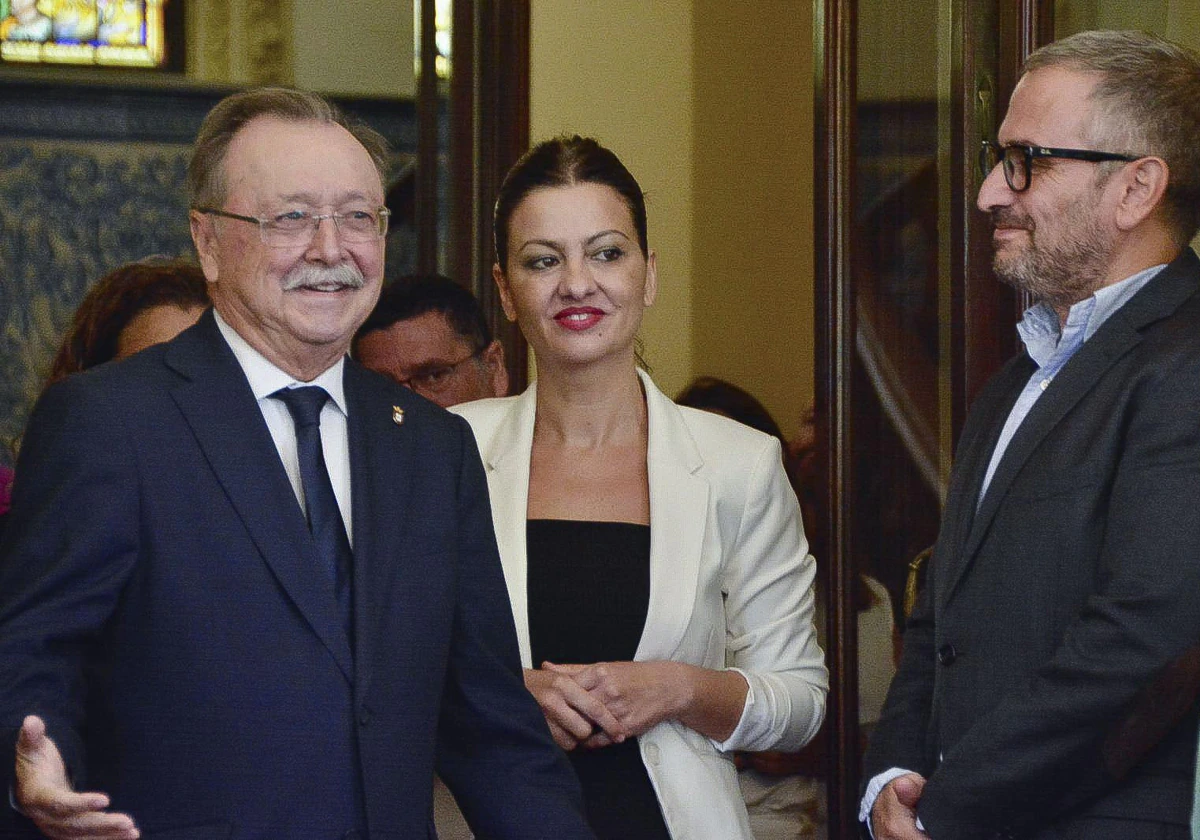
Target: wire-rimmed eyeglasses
(297,227)
(1018,160)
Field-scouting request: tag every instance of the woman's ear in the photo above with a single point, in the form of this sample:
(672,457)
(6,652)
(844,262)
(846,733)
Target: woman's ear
(506,301)
(650,293)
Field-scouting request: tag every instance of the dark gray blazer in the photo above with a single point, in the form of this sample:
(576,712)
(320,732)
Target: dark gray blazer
(1070,590)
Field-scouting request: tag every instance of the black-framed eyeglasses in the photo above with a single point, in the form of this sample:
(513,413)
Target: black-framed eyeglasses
(297,227)
(1018,160)
(434,379)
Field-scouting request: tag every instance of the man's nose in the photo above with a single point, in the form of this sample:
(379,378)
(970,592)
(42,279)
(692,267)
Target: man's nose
(994,191)
(326,244)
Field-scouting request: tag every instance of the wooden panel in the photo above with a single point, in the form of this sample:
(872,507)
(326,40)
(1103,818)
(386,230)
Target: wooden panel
(834,40)
(983,311)
(429,108)
(503,136)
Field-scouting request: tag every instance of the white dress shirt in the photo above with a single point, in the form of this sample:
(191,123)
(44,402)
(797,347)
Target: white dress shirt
(265,379)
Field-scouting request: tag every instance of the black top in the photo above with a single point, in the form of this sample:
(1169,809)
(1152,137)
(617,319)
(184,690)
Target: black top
(589,590)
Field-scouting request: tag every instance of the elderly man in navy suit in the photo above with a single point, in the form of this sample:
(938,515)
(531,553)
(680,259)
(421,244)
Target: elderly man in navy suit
(249,589)
(1062,590)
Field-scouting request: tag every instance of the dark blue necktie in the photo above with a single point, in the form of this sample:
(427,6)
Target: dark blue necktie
(324,517)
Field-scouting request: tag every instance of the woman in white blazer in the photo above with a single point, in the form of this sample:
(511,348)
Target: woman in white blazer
(658,571)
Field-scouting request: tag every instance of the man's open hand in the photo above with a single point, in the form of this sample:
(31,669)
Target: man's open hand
(44,793)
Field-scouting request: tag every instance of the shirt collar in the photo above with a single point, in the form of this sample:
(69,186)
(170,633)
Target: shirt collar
(265,378)
(1039,328)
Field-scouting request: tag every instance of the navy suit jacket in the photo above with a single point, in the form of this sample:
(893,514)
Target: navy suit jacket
(161,606)
(1055,603)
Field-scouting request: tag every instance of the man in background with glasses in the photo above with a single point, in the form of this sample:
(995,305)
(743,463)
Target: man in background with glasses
(249,589)
(429,333)
(1046,689)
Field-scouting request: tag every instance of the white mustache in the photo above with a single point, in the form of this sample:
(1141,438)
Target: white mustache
(323,278)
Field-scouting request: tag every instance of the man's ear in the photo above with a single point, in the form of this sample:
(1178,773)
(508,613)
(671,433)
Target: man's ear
(1143,185)
(506,301)
(493,361)
(204,237)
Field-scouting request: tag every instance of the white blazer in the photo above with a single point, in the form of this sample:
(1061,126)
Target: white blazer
(730,586)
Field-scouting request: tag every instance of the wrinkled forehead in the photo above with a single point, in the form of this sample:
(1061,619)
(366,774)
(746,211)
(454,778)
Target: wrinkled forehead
(1051,106)
(307,162)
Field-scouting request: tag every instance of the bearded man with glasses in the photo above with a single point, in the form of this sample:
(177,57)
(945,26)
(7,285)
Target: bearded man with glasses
(1047,688)
(248,588)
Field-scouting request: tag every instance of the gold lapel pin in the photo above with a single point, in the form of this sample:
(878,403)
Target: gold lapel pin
(397,415)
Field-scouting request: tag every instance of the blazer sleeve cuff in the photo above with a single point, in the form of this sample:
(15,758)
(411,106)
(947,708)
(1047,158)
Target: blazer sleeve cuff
(773,717)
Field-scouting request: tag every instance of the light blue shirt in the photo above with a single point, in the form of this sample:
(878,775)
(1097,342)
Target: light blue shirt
(1051,347)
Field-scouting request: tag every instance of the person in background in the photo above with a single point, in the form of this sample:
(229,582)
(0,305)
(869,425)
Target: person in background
(1063,582)
(129,309)
(785,792)
(249,589)
(654,554)
(428,332)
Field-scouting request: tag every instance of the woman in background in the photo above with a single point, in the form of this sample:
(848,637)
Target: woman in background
(129,309)
(654,555)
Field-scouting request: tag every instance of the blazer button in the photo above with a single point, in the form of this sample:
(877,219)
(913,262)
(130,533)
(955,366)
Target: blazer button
(364,716)
(947,654)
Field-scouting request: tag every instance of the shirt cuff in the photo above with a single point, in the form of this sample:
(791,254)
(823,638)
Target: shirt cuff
(874,788)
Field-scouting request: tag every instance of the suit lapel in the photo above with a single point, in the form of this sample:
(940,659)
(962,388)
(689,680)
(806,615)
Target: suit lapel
(678,523)
(218,405)
(1118,335)
(678,515)
(507,463)
(971,461)
(381,466)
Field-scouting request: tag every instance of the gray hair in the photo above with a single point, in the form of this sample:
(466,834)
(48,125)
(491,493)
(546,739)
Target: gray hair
(1146,102)
(206,171)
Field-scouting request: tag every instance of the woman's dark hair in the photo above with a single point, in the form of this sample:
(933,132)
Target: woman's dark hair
(563,162)
(713,394)
(117,299)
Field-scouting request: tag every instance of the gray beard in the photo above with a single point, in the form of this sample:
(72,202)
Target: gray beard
(1071,271)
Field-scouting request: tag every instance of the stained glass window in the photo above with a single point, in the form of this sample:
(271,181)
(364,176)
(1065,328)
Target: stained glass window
(117,33)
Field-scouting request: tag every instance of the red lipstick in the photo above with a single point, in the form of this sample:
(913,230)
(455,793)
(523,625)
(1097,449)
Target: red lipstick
(579,318)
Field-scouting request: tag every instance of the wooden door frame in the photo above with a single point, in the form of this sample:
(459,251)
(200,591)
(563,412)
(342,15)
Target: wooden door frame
(488,131)
(989,40)
(834,34)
